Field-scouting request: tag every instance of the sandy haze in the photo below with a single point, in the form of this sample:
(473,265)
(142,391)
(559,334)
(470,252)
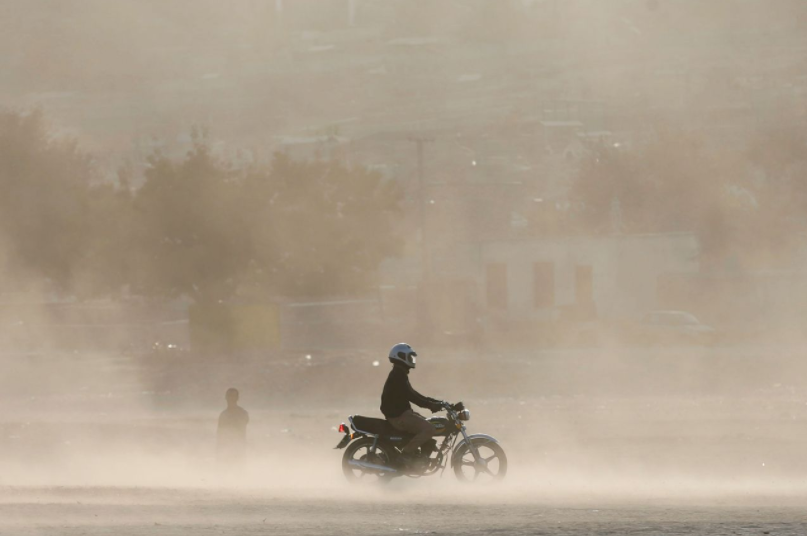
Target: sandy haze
(669,455)
(268,194)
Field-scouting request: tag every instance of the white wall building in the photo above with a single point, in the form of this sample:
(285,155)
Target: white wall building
(526,280)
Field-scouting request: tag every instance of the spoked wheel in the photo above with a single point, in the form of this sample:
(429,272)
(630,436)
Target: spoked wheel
(491,467)
(360,451)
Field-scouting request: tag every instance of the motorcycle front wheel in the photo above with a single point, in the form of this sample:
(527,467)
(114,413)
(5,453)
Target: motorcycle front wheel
(492,466)
(361,451)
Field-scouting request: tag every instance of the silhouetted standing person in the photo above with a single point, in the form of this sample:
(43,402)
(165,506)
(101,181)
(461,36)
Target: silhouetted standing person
(231,439)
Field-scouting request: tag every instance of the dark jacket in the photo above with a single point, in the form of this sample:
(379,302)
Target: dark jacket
(398,393)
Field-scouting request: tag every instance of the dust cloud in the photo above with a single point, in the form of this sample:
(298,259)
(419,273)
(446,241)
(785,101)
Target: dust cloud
(586,216)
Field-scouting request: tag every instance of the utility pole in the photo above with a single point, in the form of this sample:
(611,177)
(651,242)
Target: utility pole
(425,265)
(424,316)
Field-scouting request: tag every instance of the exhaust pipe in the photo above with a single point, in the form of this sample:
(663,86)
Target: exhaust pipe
(366,465)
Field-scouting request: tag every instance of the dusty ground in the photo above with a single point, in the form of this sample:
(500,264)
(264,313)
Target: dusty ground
(148,511)
(672,441)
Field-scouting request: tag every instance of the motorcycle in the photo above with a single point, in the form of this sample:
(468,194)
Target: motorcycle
(374,450)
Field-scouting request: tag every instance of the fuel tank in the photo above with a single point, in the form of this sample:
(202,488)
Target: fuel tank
(443,425)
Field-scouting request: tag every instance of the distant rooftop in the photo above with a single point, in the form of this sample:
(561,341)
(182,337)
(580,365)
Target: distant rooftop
(561,124)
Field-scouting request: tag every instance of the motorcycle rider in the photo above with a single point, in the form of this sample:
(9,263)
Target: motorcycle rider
(396,404)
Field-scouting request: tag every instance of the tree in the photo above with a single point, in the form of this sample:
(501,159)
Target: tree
(607,177)
(320,227)
(47,184)
(779,190)
(681,182)
(674,182)
(292,228)
(197,227)
(60,225)
(190,234)
(105,265)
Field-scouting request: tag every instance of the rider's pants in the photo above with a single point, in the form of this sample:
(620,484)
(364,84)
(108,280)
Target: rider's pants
(411,422)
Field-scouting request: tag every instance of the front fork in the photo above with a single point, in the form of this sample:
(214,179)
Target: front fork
(477,458)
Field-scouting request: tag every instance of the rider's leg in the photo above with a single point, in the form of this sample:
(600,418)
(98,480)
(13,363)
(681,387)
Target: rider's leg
(413,423)
(428,447)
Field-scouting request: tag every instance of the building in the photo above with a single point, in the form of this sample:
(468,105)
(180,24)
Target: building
(519,285)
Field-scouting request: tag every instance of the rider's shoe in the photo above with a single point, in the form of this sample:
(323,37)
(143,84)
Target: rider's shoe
(412,462)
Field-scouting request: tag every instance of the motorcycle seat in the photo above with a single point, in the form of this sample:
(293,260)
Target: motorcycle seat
(371,425)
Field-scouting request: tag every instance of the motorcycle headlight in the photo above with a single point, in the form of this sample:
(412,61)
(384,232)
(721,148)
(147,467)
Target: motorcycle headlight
(464,415)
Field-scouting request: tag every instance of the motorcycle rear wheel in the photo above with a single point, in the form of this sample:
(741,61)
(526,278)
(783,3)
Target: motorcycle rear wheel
(360,451)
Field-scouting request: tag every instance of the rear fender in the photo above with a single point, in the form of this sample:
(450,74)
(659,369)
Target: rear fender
(347,438)
(477,439)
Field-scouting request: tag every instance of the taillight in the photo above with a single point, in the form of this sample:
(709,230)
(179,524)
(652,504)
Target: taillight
(342,428)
